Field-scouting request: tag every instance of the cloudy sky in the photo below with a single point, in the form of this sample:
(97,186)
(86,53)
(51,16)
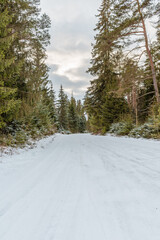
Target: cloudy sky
(72,32)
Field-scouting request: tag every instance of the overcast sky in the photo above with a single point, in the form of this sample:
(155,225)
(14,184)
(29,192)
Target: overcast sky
(72,32)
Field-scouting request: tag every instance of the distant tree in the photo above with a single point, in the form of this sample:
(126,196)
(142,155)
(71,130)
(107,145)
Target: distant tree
(62,110)
(49,101)
(72,116)
(81,117)
(81,124)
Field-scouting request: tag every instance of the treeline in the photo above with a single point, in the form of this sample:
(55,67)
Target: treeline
(126,69)
(27,98)
(70,113)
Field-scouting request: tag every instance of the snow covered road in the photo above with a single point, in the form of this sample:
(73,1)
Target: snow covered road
(82,187)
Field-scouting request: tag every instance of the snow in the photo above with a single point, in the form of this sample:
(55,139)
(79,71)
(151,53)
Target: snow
(82,187)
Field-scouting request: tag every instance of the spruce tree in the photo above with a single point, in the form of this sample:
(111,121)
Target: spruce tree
(49,102)
(36,69)
(8,102)
(72,116)
(62,110)
(81,117)
(24,93)
(103,54)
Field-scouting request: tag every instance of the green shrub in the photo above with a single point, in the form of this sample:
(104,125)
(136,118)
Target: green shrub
(121,128)
(146,130)
(21,137)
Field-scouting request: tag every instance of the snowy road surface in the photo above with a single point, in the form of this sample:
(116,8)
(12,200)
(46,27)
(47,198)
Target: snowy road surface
(82,187)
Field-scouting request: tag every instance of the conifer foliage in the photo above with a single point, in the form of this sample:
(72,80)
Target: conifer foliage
(125,68)
(26,95)
(71,114)
(8,68)
(125,85)
(62,110)
(27,98)
(101,97)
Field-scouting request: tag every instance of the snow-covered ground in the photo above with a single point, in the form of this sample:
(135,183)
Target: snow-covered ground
(82,187)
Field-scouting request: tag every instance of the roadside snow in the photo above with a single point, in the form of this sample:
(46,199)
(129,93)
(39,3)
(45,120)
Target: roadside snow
(81,187)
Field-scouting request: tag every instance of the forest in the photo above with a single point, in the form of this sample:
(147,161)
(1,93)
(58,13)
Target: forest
(123,97)
(80,120)
(28,108)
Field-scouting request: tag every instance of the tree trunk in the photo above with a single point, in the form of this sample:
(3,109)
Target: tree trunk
(134,103)
(149,55)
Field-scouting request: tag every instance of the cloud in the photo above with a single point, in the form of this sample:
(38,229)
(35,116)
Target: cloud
(71,36)
(72,33)
(68,10)
(66,82)
(70,71)
(78,88)
(53,67)
(72,75)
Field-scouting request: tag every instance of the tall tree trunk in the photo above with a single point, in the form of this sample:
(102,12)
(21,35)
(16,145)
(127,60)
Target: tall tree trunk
(149,55)
(134,103)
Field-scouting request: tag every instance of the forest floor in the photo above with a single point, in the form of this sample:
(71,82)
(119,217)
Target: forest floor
(81,187)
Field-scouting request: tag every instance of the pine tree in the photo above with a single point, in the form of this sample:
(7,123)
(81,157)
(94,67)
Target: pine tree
(8,102)
(103,68)
(62,110)
(24,93)
(51,105)
(157,45)
(82,124)
(134,29)
(131,82)
(113,109)
(145,4)
(72,116)
(147,93)
(36,69)
(49,102)
(81,117)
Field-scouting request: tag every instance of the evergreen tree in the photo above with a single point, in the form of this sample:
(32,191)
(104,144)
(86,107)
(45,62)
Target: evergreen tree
(81,117)
(142,15)
(62,110)
(156,47)
(24,92)
(131,82)
(72,116)
(8,102)
(113,109)
(134,29)
(82,124)
(36,68)
(103,54)
(49,102)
